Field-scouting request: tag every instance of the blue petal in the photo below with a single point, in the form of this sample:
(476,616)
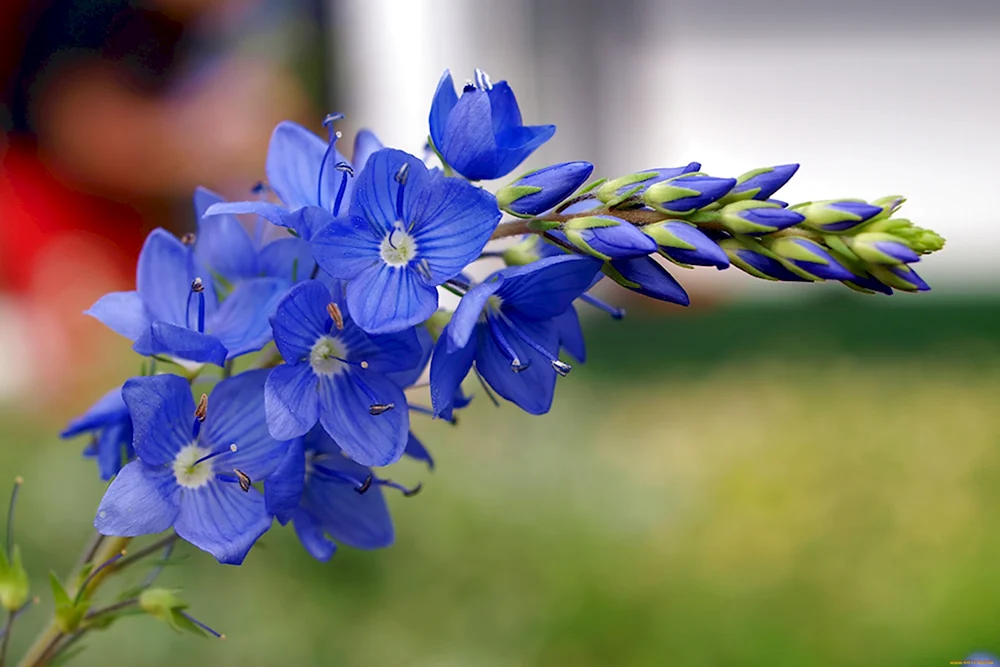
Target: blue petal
(122,312)
(651,279)
(768,182)
(222,244)
(114,445)
(468,143)
(452,221)
(167,339)
(470,309)
(515,144)
(366,144)
(373,440)
(222,519)
(424,343)
(359,520)
(108,410)
(291,402)
(241,322)
(163,278)
(383,299)
(503,107)
(294,159)
(300,319)
(376,189)
(706,252)
(619,241)
(449,366)
(283,489)
(273,213)
(570,334)
(416,450)
(236,415)
(532,389)
(546,288)
(396,353)
(346,247)
(162,412)
(445,100)
(310,533)
(141,500)
(288,259)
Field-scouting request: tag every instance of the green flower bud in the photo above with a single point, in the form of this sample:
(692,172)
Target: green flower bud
(14,585)
(757,217)
(524,252)
(881,248)
(166,606)
(607,237)
(437,322)
(837,215)
(69,612)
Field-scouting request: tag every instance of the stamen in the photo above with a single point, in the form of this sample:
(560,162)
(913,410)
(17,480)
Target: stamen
(367,484)
(244,479)
(558,366)
(93,573)
(348,172)
(202,410)
(486,387)
(189,239)
(18,481)
(164,558)
(362,486)
(231,449)
(200,624)
(197,287)
(419,409)
(401,177)
(334,136)
(377,407)
(333,310)
(615,313)
(483,81)
(501,340)
(380,408)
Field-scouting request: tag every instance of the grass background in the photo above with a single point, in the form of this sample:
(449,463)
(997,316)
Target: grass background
(796,484)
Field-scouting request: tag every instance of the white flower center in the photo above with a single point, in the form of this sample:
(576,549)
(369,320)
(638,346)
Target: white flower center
(326,354)
(398,247)
(187,473)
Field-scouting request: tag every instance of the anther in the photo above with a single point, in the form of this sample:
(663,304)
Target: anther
(344,167)
(189,239)
(483,81)
(380,408)
(244,479)
(197,286)
(348,172)
(201,412)
(334,136)
(367,484)
(561,367)
(333,310)
(515,362)
(403,173)
(468,87)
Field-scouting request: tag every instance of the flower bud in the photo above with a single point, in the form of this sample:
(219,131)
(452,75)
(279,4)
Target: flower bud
(888,204)
(867,284)
(760,184)
(634,184)
(647,277)
(900,276)
(918,239)
(685,244)
(685,194)
(538,191)
(753,258)
(809,257)
(837,215)
(14,584)
(881,248)
(607,237)
(757,217)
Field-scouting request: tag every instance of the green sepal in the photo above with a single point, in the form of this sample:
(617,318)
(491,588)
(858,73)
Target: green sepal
(727,215)
(589,187)
(883,274)
(624,197)
(537,226)
(820,215)
(615,275)
(918,239)
(608,192)
(509,194)
(14,583)
(785,247)
(703,216)
(165,605)
(436,323)
(746,194)
(864,247)
(524,252)
(573,229)
(836,243)
(674,261)
(576,238)
(889,204)
(69,613)
(659,232)
(730,247)
(665,192)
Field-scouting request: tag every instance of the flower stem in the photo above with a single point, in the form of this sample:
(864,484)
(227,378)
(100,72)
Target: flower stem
(5,640)
(146,551)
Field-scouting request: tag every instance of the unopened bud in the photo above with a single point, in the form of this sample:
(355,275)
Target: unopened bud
(686,194)
(757,217)
(538,191)
(837,215)
(607,237)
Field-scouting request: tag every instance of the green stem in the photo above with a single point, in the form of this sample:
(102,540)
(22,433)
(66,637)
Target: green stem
(5,640)
(146,551)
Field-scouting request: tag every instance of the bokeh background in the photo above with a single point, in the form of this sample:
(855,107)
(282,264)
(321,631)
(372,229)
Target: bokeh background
(777,475)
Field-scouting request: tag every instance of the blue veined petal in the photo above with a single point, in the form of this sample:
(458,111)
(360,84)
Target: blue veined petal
(222,519)
(531,389)
(375,192)
(449,366)
(167,339)
(647,277)
(310,533)
(109,409)
(515,144)
(162,411)
(470,308)
(503,107)
(241,322)
(366,144)
(384,299)
(359,520)
(300,318)
(236,415)
(452,221)
(543,289)
(294,159)
(416,451)
(445,100)
(289,259)
(468,143)
(112,446)
(277,215)
(283,488)
(223,245)
(142,500)
(372,440)
(122,312)
(163,278)
(425,344)
(346,247)
(291,401)
(570,334)
(394,353)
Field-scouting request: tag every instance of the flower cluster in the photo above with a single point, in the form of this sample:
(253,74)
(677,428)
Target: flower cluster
(333,287)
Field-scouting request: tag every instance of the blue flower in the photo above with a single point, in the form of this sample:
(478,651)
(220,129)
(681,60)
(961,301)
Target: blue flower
(109,424)
(408,231)
(337,374)
(507,326)
(327,495)
(194,465)
(313,180)
(226,249)
(480,135)
(174,309)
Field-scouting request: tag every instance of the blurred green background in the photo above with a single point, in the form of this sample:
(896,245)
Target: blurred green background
(762,484)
